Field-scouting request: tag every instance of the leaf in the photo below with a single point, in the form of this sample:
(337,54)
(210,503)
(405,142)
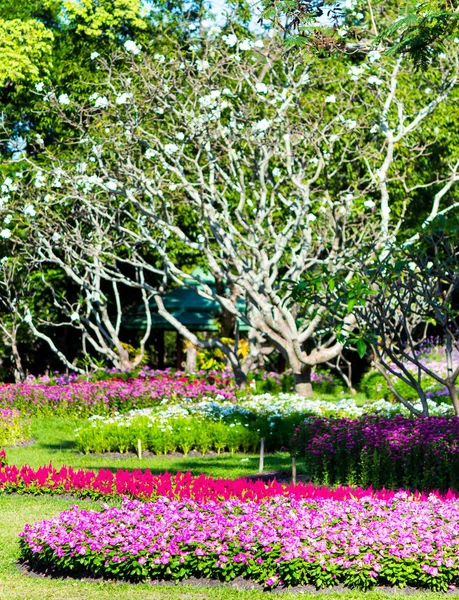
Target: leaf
(361,348)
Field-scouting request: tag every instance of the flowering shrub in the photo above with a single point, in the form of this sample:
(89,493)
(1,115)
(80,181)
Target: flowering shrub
(281,541)
(421,453)
(84,398)
(13,427)
(143,485)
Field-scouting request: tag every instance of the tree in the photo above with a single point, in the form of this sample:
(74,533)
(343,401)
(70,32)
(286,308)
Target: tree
(272,173)
(415,288)
(419,30)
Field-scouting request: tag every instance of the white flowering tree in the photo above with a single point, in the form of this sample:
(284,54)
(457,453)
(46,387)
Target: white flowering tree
(260,166)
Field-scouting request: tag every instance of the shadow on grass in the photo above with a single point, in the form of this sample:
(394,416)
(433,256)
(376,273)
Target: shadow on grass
(61,445)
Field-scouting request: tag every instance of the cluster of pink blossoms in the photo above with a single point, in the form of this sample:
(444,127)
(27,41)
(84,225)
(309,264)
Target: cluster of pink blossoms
(84,398)
(360,543)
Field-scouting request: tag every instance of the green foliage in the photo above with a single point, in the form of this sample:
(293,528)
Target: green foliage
(424,31)
(182,434)
(95,18)
(25,51)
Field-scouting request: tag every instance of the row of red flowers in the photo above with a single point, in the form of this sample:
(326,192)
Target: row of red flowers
(144,485)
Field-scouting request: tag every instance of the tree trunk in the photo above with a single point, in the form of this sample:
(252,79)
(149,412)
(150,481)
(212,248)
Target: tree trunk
(303,385)
(191,355)
(454,397)
(240,378)
(19,374)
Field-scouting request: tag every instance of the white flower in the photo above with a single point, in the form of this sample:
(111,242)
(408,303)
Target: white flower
(111,185)
(374,55)
(74,316)
(63,99)
(123,98)
(101,102)
(334,138)
(202,65)
(351,124)
(214,30)
(258,44)
(171,148)
(314,160)
(355,72)
(7,219)
(39,140)
(56,237)
(276,172)
(261,88)
(246,45)
(180,136)
(429,265)
(412,266)
(159,57)
(132,47)
(29,210)
(39,86)
(39,180)
(195,47)
(330,99)
(369,204)
(428,90)
(150,153)
(262,125)
(5,233)
(311,218)
(375,128)
(373,80)
(227,92)
(230,40)
(94,55)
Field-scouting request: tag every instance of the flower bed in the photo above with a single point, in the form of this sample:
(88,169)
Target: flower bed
(143,485)
(14,427)
(283,541)
(84,398)
(419,453)
(210,425)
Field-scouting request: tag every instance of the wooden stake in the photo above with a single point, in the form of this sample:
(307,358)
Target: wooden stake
(293,470)
(262,455)
(139,449)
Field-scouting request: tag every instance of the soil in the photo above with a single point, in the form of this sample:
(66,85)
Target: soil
(241,583)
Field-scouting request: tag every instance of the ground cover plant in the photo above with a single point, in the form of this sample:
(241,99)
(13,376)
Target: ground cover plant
(281,541)
(14,427)
(419,453)
(16,511)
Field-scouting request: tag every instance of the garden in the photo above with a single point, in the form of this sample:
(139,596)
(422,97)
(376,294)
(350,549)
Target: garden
(229,299)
